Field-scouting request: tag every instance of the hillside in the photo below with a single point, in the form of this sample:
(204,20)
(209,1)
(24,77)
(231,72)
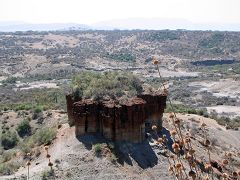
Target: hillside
(187,58)
(57,54)
(76,158)
(200,69)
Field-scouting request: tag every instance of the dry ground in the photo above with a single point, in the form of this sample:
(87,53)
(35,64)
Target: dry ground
(77,160)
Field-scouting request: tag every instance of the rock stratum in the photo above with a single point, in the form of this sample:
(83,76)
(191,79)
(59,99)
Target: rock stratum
(115,120)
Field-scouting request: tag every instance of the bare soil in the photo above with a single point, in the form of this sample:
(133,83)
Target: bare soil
(77,159)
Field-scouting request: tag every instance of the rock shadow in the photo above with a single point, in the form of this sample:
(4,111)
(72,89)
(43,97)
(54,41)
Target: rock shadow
(168,135)
(89,140)
(170,140)
(125,152)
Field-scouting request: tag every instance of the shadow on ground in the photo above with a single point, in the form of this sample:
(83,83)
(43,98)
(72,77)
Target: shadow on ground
(89,140)
(142,153)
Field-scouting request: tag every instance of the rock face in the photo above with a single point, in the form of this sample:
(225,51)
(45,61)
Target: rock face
(117,121)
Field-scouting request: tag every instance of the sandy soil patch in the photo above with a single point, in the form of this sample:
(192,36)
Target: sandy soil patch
(2,78)
(37,85)
(224,87)
(46,68)
(232,111)
(60,39)
(91,36)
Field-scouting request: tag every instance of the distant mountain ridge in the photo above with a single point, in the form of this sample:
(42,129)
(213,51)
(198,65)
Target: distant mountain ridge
(163,23)
(10,27)
(122,24)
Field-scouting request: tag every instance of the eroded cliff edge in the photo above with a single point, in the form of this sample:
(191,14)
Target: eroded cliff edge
(128,120)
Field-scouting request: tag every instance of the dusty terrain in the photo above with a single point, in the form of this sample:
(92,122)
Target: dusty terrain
(224,87)
(35,73)
(76,158)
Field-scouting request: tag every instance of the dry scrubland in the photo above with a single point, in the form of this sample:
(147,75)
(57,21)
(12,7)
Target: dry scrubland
(201,70)
(94,157)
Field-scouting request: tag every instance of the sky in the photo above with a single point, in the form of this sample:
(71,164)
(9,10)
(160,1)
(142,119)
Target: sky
(93,11)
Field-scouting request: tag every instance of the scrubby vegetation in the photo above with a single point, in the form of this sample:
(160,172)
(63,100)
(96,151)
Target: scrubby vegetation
(9,139)
(24,128)
(107,150)
(127,57)
(224,69)
(213,41)
(47,175)
(23,106)
(162,36)
(108,84)
(42,136)
(64,60)
(180,108)
(9,168)
(10,80)
(233,123)
(35,100)
(7,155)
(98,149)
(182,145)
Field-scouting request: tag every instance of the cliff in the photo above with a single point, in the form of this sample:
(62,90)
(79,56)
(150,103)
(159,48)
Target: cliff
(128,120)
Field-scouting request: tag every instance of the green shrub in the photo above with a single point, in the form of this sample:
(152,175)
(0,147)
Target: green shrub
(37,112)
(38,109)
(112,84)
(162,36)
(122,56)
(24,128)
(179,108)
(27,145)
(113,158)
(230,123)
(10,80)
(45,136)
(36,99)
(5,169)
(7,155)
(9,139)
(203,112)
(48,174)
(200,112)
(213,41)
(9,168)
(98,149)
(23,107)
(42,136)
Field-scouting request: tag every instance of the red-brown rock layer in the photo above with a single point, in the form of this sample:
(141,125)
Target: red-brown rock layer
(114,120)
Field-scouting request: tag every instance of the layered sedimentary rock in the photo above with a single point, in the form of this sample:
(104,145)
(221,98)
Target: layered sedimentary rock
(117,120)
(70,102)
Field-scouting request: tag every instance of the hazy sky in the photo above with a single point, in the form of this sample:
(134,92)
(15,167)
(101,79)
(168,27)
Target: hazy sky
(91,11)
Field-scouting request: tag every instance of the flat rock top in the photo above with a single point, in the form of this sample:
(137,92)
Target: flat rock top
(118,103)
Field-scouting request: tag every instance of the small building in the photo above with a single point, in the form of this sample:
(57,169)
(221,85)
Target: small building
(117,121)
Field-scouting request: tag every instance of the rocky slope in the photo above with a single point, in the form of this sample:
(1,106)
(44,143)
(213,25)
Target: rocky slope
(76,158)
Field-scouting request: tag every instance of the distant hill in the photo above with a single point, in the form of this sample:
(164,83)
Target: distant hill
(121,24)
(20,26)
(163,23)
